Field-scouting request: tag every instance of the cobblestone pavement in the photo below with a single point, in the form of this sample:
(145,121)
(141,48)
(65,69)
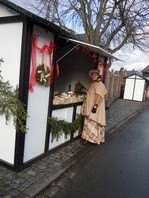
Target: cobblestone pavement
(30,181)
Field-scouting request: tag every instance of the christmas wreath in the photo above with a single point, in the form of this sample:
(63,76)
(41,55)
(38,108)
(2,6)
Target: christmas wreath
(43,75)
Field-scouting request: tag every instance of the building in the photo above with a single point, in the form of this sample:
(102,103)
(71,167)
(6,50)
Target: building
(145,73)
(135,87)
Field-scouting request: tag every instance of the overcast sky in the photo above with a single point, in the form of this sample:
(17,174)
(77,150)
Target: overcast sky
(132,59)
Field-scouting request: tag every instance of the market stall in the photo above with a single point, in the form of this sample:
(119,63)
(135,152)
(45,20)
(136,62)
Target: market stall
(73,61)
(70,85)
(50,69)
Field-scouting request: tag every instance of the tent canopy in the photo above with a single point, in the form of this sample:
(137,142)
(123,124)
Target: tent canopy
(93,48)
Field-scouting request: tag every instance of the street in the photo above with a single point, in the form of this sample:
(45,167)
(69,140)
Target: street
(119,168)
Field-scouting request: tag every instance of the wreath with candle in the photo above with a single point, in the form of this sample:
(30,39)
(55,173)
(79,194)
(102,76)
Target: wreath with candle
(43,75)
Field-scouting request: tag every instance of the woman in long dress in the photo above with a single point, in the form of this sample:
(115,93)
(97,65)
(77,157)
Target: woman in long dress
(93,110)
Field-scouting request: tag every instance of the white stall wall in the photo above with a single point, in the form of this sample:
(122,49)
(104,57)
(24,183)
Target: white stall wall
(10,51)
(38,103)
(77,113)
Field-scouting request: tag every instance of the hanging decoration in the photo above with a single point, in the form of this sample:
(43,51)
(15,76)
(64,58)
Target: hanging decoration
(50,51)
(87,51)
(32,81)
(101,67)
(43,75)
(109,62)
(57,69)
(41,50)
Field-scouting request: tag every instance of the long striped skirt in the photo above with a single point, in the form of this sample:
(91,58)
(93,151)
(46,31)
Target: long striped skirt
(93,132)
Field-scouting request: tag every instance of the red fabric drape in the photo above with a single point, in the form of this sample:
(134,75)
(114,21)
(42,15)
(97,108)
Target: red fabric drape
(101,68)
(50,51)
(41,50)
(33,58)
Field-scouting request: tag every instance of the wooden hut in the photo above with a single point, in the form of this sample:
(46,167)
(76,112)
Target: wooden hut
(135,87)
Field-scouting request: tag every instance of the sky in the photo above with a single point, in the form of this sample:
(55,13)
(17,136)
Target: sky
(132,60)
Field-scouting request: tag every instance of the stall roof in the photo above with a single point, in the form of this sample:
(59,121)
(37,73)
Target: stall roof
(93,48)
(35,18)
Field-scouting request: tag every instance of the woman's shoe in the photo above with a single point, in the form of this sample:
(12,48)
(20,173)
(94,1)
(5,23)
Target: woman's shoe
(85,142)
(82,140)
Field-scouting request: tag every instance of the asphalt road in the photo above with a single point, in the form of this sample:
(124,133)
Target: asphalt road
(119,168)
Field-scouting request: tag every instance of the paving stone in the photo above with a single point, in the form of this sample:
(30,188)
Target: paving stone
(32,173)
(2,193)
(14,193)
(57,163)
(7,196)
(52,191)
(22,196)
(26,184)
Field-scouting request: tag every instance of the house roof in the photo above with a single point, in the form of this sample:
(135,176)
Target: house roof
(146,69)
(54,28)
(137,75)
(129,72)
(35,18)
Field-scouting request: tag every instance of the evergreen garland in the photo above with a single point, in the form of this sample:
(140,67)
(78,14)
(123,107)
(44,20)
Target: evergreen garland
(11,106)
(59,127)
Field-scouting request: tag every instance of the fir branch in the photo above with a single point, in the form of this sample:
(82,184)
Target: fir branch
(10,105)
(59,127)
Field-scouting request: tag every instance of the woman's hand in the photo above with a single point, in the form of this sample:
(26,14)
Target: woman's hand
(94,109)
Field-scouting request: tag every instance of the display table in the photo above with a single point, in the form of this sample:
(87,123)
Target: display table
(58,100)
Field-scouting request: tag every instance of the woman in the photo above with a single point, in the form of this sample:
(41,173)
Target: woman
(93,109)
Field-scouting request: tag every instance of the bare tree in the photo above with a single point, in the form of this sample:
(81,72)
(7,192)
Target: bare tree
(110,23)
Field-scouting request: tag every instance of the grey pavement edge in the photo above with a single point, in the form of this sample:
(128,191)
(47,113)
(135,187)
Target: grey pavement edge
(32,180)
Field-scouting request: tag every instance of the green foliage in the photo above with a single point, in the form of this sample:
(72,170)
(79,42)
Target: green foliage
(59,127)
(11,106)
